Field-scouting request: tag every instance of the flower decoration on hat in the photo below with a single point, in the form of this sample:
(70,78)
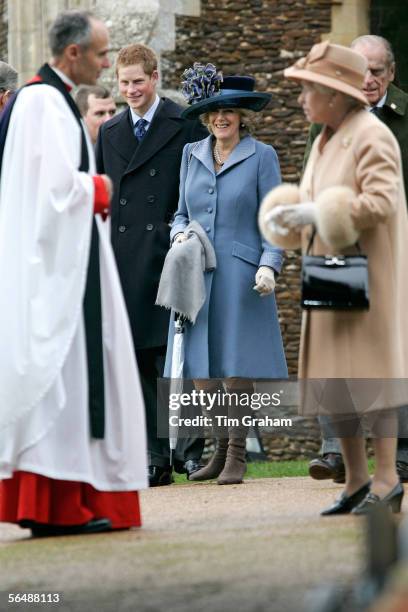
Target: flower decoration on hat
(200,82)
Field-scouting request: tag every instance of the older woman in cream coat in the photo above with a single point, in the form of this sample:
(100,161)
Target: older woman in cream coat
(352,189)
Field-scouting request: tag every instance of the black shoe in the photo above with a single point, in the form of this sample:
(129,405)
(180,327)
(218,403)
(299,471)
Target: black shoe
(402,470)
(329,466)
(191,466)
(393,500)
(40,530)
(346,503)
(160,476)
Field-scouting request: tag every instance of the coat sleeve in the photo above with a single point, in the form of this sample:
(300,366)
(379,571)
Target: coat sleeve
(379,176)
(341,213)
(269,177)
(181,218)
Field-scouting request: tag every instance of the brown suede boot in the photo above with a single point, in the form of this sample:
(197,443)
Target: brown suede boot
(215,465)
(235,465)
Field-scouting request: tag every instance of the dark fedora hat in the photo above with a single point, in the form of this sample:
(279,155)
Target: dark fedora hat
(206,90)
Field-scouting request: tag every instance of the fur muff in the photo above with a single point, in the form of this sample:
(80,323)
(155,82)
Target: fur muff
(333,217)
(281,195)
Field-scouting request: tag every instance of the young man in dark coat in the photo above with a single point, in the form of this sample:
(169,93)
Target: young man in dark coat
(140,149)
(390,104)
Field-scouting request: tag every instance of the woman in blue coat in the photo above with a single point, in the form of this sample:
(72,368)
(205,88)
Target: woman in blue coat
(223,179)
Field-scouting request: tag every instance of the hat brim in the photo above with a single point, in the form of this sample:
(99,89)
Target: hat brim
(249,100)
(298,74)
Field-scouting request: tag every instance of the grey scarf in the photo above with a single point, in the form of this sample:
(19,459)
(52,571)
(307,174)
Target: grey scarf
(182,286)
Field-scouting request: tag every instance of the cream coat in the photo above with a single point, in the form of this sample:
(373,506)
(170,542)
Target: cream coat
(364,156)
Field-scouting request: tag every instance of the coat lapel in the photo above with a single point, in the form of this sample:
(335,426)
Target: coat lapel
(245,148)
(122,137)
(203,152)
(162,129)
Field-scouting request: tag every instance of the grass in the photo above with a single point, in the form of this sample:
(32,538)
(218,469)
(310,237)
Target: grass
(273,469)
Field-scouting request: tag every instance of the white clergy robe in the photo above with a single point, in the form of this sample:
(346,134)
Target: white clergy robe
(46,209)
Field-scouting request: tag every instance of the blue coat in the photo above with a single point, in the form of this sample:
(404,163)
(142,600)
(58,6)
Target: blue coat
(236,332)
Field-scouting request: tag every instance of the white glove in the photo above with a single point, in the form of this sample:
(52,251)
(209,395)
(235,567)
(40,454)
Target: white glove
(283,218)
(180,237)
(265,281)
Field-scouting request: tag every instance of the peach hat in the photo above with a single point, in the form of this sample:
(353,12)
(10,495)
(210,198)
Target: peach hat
(334,66)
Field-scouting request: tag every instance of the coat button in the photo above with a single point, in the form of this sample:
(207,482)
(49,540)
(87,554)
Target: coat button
(209,209)
(211,190)
(122,228)
(153,172)
(149,227)
(151,198)
(208,229)
(123,201)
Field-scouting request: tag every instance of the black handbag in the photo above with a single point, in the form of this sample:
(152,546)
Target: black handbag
(334,282)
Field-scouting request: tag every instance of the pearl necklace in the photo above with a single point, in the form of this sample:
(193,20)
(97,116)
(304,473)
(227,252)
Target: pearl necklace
(217,157)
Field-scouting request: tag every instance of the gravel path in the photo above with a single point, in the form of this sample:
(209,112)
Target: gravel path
(255,547)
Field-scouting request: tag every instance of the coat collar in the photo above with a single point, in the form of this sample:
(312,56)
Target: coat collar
(397,100)
(204,152)
(343,137)
(165,125)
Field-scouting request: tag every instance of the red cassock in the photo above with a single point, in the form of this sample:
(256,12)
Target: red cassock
(32,497)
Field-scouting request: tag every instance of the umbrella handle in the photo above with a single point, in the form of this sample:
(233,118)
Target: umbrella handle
(179,321)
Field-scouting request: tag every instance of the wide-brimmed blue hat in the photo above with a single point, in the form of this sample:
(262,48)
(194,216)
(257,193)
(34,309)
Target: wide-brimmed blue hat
(207,90)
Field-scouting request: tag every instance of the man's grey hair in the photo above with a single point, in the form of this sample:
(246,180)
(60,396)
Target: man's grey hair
(82,96)
(70,27)
(373,39)
(8,77)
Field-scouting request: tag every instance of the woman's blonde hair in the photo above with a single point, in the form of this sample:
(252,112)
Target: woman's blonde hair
(248,122)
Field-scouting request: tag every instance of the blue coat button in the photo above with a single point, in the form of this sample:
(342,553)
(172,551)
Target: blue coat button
(122,228)
(211,190)
(123,201)
(209,209)
(149,227)
(151,199)
(208,229)
(153,172)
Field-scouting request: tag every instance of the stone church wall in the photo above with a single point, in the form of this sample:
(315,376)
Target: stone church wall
(3,31)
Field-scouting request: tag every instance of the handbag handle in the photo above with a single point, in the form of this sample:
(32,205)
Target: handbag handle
(312,237)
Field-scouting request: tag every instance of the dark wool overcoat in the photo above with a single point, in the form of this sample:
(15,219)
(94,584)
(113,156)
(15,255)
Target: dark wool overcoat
(146,190)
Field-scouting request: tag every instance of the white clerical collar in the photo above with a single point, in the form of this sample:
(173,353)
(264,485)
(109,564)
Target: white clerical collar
(63,77)
(148,116)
